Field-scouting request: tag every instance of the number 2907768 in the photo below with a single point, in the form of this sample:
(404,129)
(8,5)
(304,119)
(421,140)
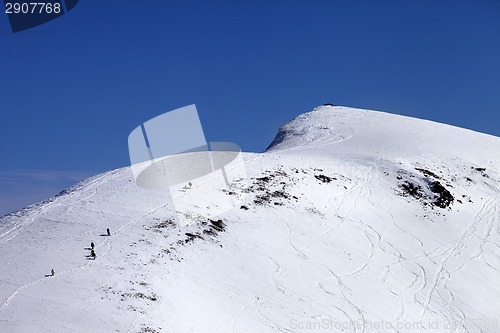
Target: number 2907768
(32,8)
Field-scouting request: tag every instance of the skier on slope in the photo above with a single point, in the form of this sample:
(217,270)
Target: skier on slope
(92,245)
(109,233)
(92,254)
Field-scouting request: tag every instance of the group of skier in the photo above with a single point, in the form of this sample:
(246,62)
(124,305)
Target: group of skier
(92,252)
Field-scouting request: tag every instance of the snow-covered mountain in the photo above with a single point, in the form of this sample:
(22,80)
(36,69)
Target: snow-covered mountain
(351,221)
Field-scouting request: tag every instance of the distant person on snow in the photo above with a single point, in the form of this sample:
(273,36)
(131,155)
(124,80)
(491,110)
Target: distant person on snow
(92,254)
(109,233)
(92,245)
(52,272)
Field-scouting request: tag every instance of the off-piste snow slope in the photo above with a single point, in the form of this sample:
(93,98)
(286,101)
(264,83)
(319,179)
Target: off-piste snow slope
(351,221)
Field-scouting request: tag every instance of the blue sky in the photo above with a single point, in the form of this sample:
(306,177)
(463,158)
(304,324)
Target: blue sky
(72,90)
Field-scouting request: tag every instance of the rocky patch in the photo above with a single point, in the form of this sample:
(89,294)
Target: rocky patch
(427,188)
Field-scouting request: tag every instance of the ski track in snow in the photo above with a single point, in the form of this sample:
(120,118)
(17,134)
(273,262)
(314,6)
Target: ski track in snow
(360,189)
(487,214)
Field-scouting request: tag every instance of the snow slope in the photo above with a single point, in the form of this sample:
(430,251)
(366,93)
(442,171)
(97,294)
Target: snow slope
(351,221)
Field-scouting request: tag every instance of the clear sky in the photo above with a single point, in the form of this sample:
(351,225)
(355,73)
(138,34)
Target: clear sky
(72,90)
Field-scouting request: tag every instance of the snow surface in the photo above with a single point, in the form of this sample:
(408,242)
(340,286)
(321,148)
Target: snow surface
(351,217)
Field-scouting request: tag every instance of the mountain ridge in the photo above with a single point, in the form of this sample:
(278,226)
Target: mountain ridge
(343,228)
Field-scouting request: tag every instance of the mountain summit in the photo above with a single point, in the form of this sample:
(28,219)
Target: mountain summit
(372,133)
(352,220)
